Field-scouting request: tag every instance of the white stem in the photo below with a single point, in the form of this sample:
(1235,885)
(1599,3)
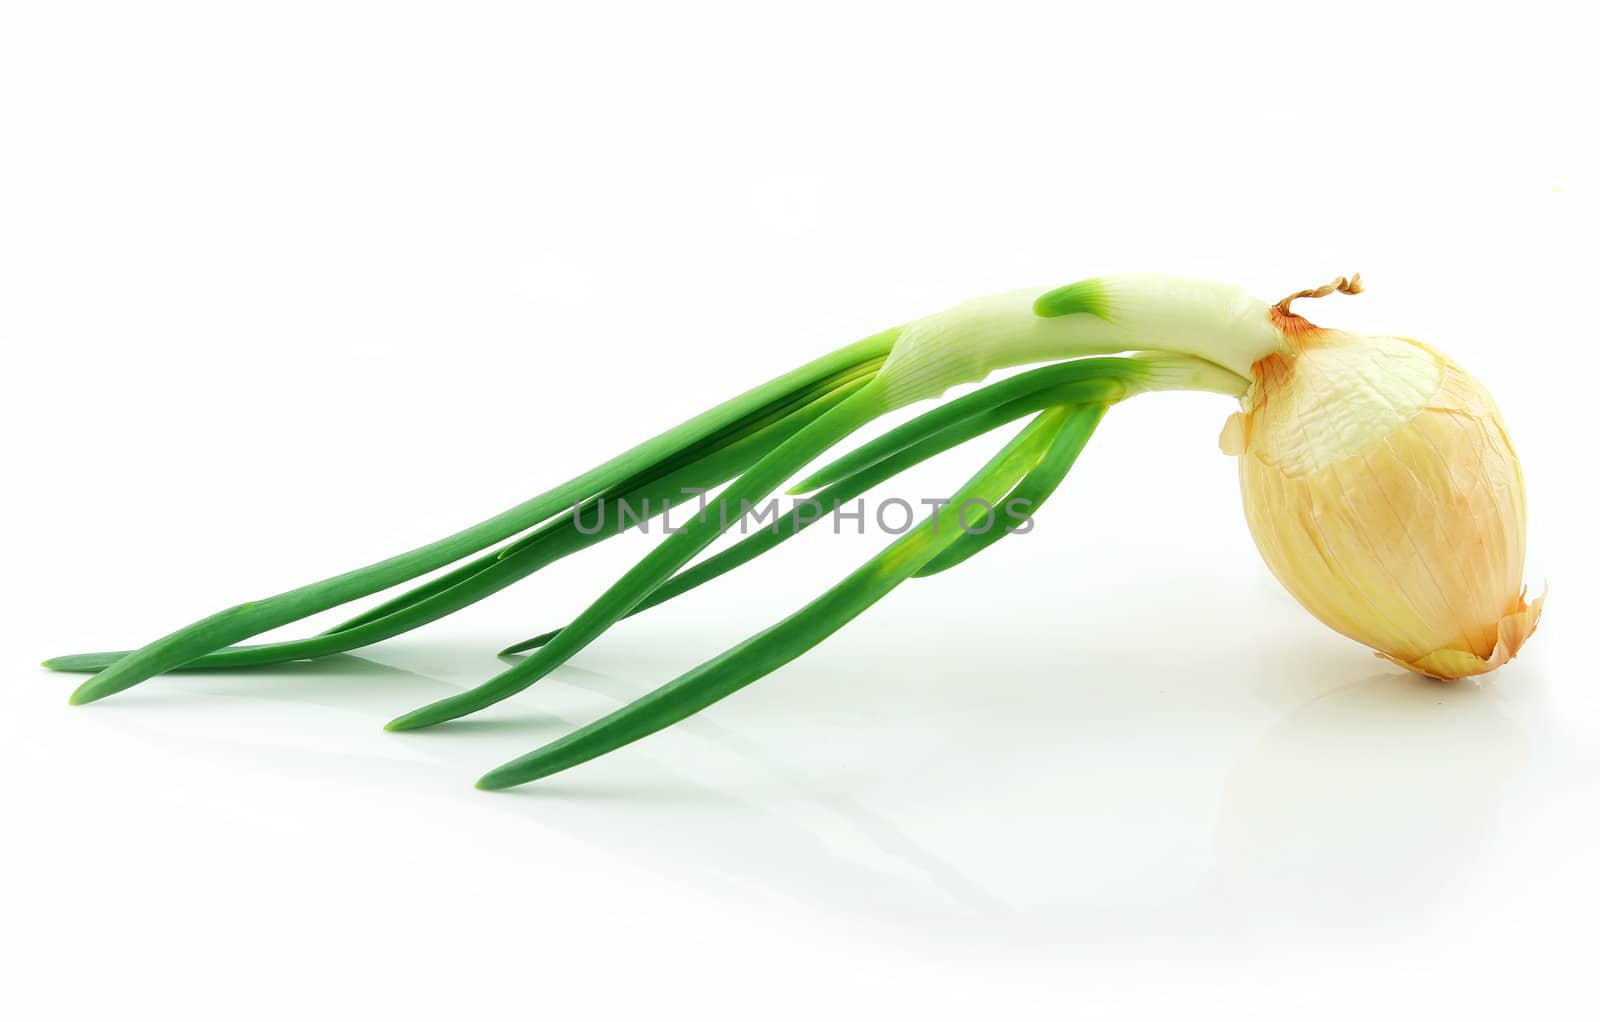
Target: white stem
(1170,371)
(1217,323)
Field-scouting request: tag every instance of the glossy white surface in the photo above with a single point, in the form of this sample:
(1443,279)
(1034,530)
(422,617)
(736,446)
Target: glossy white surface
(285,292)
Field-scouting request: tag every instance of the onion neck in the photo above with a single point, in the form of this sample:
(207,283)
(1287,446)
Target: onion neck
(1220,329)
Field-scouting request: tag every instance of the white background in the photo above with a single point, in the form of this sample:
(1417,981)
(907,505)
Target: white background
(285,288)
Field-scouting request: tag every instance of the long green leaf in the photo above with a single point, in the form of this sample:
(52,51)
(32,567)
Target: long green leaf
(661,563)
(627,489)
(248,619)
(801,631)
(942,438)
(1112,368)
(554,540)
(1032,492)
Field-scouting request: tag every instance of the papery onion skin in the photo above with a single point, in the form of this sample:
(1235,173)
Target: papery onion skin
(1383,491)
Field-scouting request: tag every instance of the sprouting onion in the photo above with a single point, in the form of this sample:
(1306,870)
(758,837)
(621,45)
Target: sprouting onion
(1317,406)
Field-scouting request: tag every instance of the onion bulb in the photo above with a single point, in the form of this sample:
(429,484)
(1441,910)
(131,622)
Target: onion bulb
(1382,489)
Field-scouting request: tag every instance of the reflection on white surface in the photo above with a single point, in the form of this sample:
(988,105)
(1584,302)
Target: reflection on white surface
(1040,807)
(1366,803)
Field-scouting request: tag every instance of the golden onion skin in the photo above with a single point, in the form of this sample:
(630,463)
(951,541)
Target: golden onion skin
(1382,489)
